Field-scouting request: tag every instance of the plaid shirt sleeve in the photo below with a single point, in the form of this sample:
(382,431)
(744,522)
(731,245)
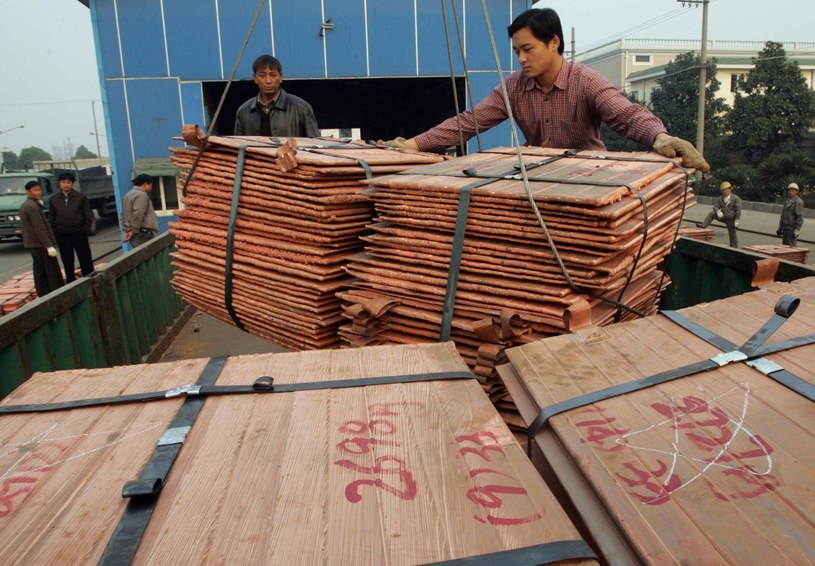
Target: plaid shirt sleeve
(569,116)
(490,112)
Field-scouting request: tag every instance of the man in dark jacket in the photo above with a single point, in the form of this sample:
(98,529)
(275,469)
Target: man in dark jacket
(39,239)
(727,208)
(792,217)
(71,219)
(274,112)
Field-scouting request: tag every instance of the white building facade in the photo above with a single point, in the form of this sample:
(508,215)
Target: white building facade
(635,65)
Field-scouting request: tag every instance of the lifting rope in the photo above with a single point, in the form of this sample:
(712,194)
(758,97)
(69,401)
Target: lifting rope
(214,120)
(467,82)
(621,306)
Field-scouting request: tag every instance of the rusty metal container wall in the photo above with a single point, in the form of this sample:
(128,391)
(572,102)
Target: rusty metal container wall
(714,467)
(121,314)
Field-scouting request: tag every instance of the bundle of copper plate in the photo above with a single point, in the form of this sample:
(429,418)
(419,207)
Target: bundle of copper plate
(300,213)
(612,219)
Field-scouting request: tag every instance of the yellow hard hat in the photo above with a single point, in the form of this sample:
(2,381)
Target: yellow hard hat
(793,186)
(725,185)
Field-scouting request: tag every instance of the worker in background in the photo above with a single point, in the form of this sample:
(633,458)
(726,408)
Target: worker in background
(556,102)
(71,219)
(792,217)
(139,220)
(727,209)
(274,112)
(39,239)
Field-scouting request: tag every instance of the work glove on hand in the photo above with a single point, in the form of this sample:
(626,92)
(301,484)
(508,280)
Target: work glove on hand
(797,232)
(52,252)
(719,215)
(737,223)
(670,146)
(778,232)
(398,143)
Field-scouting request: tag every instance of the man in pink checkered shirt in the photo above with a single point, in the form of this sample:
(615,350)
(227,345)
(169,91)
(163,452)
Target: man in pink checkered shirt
(556,103)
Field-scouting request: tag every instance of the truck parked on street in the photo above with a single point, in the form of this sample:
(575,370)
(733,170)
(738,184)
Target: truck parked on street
(93,180)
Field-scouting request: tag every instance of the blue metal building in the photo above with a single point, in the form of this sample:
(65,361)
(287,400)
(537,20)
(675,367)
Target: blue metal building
(382,66)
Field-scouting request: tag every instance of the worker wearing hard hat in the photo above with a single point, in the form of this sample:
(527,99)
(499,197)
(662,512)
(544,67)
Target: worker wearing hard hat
(727,209)
(792,217)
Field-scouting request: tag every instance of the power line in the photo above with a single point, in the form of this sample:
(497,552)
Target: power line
(638,27)
(13,104)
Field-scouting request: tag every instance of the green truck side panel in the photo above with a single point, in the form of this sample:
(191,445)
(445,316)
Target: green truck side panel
(126,313)
(701,272)
(116,316)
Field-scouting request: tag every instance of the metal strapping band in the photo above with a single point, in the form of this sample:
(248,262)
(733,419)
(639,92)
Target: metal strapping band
(264,384)
(230,237)
(364,164)
(782,376)
(539,554)
(458,243)
(455,257)
(145,491)
(615,391)
(733,354)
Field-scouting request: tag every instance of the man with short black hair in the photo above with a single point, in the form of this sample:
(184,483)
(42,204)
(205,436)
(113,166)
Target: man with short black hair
(39,240)
(71,219)
(139,220)
(556,103)
(274,112)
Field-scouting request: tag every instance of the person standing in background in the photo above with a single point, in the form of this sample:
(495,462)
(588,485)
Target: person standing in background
(139,220)
(39,239)
(792,217)
(727,208)
(71,219)
(274,112)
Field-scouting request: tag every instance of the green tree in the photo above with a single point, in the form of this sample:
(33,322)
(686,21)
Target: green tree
(776,110)
(31,154)
(614,141)
(83,152)
(9,161)
(676,100)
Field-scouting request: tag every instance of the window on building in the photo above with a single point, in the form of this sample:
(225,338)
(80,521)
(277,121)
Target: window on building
(737,81)
(642,59)
(166,194)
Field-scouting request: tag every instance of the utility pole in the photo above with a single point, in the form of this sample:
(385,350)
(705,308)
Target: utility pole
(700,111)
(573,43)
(95,130)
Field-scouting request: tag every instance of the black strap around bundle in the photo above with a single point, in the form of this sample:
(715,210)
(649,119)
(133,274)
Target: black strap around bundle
(537,555)
(263,384)
(751,353)
(144,492)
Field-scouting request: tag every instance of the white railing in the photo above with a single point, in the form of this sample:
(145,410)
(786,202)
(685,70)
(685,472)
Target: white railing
(684,45)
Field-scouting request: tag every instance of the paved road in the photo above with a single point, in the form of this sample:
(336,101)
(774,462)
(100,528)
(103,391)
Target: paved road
(754,228)
(105,245)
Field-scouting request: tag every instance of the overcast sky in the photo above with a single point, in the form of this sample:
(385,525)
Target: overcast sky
(48,72)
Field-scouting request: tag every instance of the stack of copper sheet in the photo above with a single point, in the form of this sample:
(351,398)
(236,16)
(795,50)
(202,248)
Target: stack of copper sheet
(607,214)
(789,253)
(16,292)
(300,213)
(683,437)
(390,473)
(704,234)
